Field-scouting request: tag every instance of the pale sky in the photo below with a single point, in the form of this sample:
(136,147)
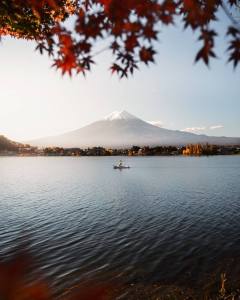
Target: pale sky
(36,101)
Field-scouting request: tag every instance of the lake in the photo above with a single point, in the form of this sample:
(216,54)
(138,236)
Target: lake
(167,219)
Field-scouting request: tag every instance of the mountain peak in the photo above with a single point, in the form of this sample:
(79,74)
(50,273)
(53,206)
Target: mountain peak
(119,115)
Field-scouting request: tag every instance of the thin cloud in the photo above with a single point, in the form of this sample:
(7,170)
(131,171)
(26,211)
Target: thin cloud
(202,128)
(156,123)
(216,127)
(194,129)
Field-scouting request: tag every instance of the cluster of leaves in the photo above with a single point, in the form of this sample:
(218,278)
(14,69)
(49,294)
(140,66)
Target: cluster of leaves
(32,19)
(130,28)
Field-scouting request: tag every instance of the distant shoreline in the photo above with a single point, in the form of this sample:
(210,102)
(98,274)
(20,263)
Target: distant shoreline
(186,150)
(80,156)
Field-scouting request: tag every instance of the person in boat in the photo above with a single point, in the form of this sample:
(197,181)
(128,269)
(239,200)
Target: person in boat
(120,164)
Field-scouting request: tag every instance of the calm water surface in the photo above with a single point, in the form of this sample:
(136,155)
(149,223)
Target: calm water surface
(170,219)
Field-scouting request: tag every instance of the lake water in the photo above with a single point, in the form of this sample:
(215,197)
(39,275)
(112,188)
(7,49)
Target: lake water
(167,219)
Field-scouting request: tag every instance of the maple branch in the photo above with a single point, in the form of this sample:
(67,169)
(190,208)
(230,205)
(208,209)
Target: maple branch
(131,25)
(100,51)
(229,15)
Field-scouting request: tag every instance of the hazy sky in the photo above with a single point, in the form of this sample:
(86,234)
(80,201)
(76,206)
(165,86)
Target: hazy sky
(36,101)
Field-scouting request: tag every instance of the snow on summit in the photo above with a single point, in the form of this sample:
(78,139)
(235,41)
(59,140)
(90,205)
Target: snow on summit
(119,115)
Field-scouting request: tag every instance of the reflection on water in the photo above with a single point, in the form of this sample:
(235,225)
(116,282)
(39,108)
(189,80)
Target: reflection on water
(167,219)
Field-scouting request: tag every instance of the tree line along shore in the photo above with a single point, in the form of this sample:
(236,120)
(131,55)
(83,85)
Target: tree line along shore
(189,150)
(11,148)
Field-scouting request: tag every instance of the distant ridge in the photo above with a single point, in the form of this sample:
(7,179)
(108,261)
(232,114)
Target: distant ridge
(8,145)
(121,129)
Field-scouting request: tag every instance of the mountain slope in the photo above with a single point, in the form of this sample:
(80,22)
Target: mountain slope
(121,129)
(8,145)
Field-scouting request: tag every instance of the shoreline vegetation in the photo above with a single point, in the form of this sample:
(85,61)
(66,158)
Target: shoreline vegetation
(10,148)
(189,150)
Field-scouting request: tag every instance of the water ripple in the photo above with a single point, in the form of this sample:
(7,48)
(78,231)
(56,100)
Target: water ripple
(165,219)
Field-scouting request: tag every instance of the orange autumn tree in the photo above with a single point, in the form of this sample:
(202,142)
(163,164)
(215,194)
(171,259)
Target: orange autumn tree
(129,27)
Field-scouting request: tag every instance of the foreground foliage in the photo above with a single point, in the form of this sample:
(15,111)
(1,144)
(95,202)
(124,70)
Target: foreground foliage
(130,28)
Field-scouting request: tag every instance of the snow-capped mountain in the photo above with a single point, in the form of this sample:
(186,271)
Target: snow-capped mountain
(119,115)
(122,129)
